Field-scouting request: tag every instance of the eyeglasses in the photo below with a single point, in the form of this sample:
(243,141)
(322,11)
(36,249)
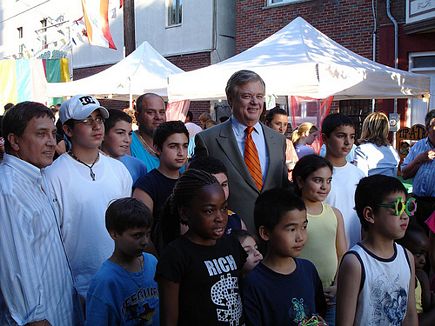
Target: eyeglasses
(399,206)
(92,121)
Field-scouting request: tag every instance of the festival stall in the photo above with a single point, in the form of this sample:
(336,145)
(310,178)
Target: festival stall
(299,60)
(144,70)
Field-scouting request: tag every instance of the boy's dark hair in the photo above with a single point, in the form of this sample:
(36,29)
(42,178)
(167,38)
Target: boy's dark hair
(166,129)
(189,115)
(16,119)
(307,165)
(115,116)
(271,113)
(335,120)
(241,235)
(272,204)
(8,106)
(428,118)
(371,191)
(208,164)
(127,213)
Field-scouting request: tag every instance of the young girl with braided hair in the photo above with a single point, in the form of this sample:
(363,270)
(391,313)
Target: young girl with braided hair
(198,273)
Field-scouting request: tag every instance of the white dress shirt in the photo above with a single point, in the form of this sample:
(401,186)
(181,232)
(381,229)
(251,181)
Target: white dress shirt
(35,278)
(257,136)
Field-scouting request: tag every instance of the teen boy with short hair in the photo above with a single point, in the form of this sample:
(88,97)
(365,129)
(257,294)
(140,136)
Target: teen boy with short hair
(376,278)
(117,140)
(338,134)
(282,289)
(123,292)
(84,182)
(171,140)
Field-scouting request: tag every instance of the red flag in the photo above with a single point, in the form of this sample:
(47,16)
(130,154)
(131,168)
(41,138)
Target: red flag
(95,14)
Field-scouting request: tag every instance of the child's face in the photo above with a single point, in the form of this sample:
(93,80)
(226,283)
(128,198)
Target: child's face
(386,222)
(254,256)
(340,141)
(223,181)
(173,154)
(419,249)
(288,237)
(317,185)
(118,139)
(311,137)
(87,136)
(279,123)
(207,215)
(132,242)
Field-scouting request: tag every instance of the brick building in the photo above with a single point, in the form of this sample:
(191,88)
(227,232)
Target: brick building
(355,25)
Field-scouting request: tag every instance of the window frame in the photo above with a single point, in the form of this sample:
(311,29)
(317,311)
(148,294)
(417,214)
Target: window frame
(269,3)
(178,9)
(20,40)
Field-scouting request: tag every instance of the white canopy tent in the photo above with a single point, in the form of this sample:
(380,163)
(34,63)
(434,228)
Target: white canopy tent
(301,61)
(144,70)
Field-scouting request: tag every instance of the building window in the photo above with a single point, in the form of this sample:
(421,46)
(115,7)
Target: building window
(421,63)
(175,10)
(276,2)
(44,33)
(20,41)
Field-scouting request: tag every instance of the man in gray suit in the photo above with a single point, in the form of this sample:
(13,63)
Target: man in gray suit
(242,143)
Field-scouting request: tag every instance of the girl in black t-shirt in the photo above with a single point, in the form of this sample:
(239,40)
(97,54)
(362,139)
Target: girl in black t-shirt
(198,273)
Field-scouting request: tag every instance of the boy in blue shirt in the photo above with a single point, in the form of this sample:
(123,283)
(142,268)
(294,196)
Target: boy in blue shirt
(117,140)
(282,289)
(123,292)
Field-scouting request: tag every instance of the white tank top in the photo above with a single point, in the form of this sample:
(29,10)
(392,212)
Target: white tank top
(383,297)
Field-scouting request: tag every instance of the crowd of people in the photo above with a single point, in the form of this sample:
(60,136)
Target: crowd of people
(229,223)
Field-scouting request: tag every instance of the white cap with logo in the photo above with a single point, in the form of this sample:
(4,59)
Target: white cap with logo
(80,107)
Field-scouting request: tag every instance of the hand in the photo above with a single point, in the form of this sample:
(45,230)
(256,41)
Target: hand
(426,156)
(330,294)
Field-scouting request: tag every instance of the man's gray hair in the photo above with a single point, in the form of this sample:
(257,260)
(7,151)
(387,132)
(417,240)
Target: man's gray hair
(239,78)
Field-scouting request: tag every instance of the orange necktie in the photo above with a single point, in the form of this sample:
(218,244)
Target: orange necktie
(251,159)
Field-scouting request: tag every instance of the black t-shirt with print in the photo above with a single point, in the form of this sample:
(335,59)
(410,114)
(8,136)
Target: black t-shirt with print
(208,278)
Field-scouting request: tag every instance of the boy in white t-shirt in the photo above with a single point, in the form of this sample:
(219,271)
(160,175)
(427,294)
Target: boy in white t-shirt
(84,182)
(338,134)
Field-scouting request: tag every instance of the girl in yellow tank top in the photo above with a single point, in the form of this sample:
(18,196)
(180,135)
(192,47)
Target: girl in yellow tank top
(326,242)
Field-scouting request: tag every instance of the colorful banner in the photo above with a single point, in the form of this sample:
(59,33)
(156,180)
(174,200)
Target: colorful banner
(25,79)
(95,14)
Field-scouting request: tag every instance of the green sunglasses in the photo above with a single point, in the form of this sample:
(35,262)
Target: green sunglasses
(399,206)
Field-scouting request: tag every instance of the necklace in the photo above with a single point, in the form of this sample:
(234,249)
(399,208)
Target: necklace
(148,148)
(91,172)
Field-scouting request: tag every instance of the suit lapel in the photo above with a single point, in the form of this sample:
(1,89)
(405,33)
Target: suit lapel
(228,143)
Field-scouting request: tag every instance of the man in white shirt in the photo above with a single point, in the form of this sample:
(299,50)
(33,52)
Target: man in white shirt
(35,279)
(84,182)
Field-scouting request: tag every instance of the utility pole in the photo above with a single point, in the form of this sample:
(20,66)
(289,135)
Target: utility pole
(129,27)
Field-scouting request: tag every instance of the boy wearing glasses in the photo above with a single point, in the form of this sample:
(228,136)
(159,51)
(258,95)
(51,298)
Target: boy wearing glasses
(84,182)
(376,278)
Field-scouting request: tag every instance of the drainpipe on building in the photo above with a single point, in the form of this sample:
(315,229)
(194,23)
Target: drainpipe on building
(214,39)
(396,43)
(396,56)
(375,28)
